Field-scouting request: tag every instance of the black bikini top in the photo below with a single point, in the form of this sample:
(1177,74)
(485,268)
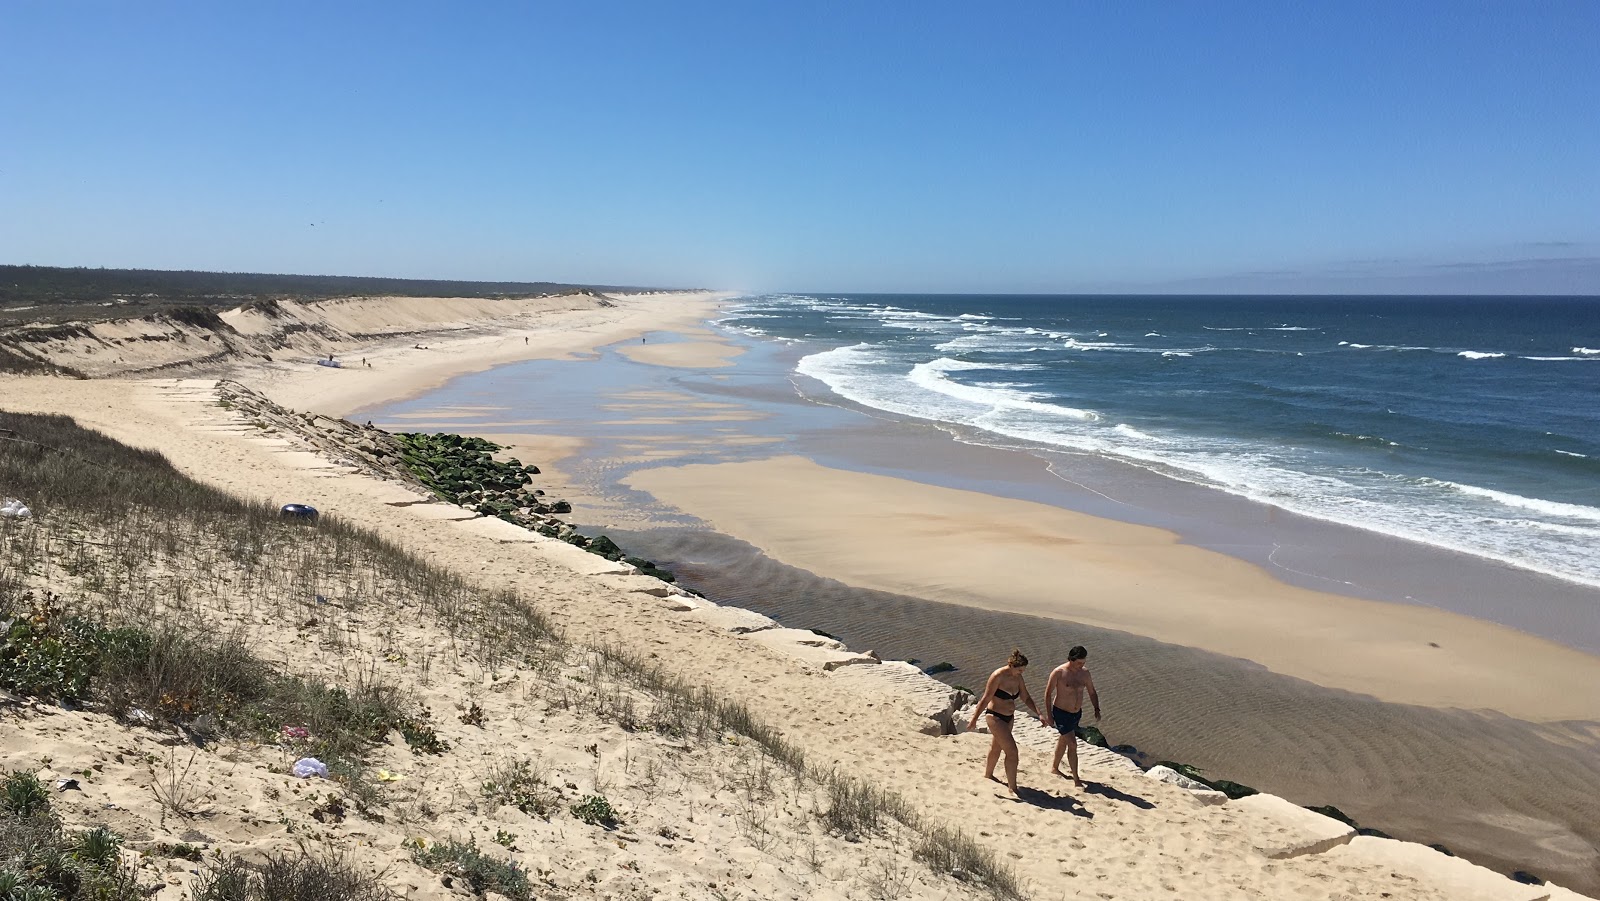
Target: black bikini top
(1007,695)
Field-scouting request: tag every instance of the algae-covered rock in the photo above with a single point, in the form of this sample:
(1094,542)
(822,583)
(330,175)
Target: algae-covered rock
(1328,810)
(1233,790)
(605,547)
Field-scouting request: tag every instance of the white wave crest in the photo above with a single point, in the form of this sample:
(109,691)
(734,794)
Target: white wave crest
(933,376)
(1480,355)
(1130,432)
(1538,505)
(1587,351)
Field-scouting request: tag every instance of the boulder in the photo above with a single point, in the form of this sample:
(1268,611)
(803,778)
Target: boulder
(1173,777)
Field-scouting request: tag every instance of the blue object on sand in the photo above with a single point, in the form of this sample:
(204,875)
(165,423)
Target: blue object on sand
(298,511)
(331,363)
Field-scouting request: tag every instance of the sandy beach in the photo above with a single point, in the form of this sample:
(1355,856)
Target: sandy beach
(1127,836)
(943,544)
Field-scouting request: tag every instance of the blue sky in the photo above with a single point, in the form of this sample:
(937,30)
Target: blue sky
(927,146)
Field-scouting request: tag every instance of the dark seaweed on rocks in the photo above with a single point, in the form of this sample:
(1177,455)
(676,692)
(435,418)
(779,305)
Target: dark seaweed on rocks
(462,470)
(1233,790)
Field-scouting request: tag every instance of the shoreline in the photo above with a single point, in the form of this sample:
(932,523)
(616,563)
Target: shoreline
(918,541)
(310,389)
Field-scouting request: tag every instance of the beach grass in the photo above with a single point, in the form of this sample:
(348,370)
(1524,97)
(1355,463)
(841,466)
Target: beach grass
(142,543)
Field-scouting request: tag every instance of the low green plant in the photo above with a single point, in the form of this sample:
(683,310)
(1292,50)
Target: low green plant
(98,846)
(482,873)
(180,850)
(292,876)
(227,879)
(23,795)
(44,653)
(516,783)
(40,861)
(421,737)
(596,811)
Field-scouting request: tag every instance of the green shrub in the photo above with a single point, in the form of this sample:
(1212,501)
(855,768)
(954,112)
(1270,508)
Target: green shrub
(482,872)
(23,795)
(295,876)
(596,811)
(44,653)
(421,737)
(516,784)
(39,861)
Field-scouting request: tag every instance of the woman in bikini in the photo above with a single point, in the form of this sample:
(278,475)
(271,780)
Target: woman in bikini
(999,702)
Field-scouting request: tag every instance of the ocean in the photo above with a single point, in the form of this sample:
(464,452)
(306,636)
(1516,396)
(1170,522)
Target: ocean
(1466,423)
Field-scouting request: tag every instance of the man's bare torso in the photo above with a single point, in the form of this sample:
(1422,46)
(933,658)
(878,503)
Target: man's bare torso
(1069,685)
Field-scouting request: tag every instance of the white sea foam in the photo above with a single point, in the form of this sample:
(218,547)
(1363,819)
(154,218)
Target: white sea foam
(1176,353)
(1510,526)
(1129,431)
(1480,355)
(977,317)
(934,376)
(1154,335)
(1550,508)
(1572,454)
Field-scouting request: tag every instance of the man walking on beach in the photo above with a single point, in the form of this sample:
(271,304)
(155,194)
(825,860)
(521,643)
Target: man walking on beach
(1063,707)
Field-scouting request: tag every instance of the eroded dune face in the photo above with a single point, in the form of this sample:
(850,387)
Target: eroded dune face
(163,341)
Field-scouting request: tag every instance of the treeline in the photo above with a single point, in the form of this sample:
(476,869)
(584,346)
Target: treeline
(51,285)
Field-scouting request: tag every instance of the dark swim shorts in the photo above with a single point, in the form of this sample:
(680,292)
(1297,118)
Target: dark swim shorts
(1066,720)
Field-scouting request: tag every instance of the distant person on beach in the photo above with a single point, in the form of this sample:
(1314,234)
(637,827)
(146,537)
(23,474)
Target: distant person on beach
(1063,707)
(1006,687)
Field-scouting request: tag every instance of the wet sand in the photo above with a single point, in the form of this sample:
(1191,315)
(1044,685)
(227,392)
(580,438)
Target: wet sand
(1505,793)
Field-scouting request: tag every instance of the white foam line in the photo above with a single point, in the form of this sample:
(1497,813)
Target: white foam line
(1272,558)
